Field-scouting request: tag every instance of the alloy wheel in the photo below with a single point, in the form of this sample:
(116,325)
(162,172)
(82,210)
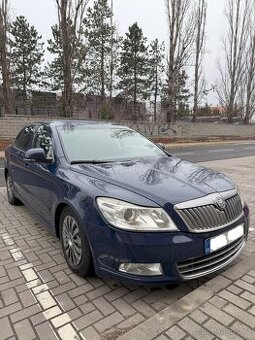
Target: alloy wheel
(72,240)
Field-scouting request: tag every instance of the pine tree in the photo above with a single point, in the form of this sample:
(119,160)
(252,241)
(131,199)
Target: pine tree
(156,69)
(54,69)
(133,69)
(101,37)
(26,55)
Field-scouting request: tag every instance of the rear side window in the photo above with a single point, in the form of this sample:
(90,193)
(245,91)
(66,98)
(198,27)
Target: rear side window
(24,139)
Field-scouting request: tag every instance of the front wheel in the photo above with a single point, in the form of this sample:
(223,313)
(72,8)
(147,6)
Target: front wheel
(10,191)
(75,244)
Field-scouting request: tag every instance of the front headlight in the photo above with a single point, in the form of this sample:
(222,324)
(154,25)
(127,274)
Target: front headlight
(132,217)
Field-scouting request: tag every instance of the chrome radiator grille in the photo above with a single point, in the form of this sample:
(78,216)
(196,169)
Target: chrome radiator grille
(198,267)
(209,217)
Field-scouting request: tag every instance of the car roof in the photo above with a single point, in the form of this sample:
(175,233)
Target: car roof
(84,123)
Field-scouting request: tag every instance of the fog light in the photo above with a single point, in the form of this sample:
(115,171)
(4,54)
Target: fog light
(142,269)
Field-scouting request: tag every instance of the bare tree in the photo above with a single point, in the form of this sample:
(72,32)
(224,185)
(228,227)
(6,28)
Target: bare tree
(181,37)
(249,83)
(112,52)
(4,60)
(200,24)
(234,44)
(70,17)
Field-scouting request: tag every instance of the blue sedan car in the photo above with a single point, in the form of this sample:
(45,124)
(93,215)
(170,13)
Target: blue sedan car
(123,207)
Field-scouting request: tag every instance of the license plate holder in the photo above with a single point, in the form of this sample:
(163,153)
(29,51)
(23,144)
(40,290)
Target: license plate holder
(218,242)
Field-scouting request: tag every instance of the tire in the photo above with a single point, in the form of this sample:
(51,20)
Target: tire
(75,244)
(10,191)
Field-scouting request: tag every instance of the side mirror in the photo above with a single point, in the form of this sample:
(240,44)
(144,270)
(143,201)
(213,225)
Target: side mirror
(36,155)
(161,146)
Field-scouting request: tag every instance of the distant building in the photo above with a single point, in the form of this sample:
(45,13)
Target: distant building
(217,109)
(42,103)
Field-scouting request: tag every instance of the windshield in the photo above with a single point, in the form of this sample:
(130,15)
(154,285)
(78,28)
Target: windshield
(89,144)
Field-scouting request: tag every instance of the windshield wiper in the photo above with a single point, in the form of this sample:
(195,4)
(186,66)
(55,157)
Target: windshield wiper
(90,162)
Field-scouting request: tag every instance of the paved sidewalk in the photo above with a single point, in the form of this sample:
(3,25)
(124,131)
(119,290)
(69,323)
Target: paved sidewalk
(224,307)
(40,298)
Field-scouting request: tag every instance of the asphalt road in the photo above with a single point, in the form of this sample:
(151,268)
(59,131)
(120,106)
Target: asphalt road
(214,152)
(198,153)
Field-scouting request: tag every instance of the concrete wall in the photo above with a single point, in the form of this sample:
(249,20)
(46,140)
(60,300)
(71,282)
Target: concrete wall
(11,125)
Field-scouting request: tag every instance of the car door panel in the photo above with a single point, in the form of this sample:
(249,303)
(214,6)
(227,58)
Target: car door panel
(40,187)
(41,177)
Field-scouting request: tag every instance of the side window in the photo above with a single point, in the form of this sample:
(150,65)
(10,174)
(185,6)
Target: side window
(24,139)
(43,139)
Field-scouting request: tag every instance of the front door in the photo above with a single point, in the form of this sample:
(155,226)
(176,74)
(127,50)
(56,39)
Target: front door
(41,174)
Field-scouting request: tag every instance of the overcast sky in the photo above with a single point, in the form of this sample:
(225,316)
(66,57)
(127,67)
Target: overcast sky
(150,15)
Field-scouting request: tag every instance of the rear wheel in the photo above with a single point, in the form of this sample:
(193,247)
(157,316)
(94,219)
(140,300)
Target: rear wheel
(75,244)
(10,191)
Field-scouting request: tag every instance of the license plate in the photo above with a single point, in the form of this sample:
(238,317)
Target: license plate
(218,242)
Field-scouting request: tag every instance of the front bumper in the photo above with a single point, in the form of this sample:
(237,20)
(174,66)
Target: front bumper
(172,250)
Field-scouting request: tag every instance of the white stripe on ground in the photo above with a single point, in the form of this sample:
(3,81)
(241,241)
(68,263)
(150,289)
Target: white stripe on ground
(185,153)
(249,148)
(220,150)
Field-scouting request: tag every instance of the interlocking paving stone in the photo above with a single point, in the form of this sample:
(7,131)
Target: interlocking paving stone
(220,331)
(199,316)
(90,333)
(252,311)
(5,328)
(24,330)
(217,314)
(176,333)
(235,290)
(195,329)
(67,332)
(239,314)
(109,321)
(234,299)
(245,332)
(45,331)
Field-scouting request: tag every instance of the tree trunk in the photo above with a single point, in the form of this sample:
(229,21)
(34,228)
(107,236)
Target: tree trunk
(4,62)
(135,86)
(67,59)
(195,108)
(201,14)
(156,95)
(250,78)
(181,38)
(111,63)
(102,70)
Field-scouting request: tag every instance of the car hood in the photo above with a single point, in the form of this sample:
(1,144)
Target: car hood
(162,180)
